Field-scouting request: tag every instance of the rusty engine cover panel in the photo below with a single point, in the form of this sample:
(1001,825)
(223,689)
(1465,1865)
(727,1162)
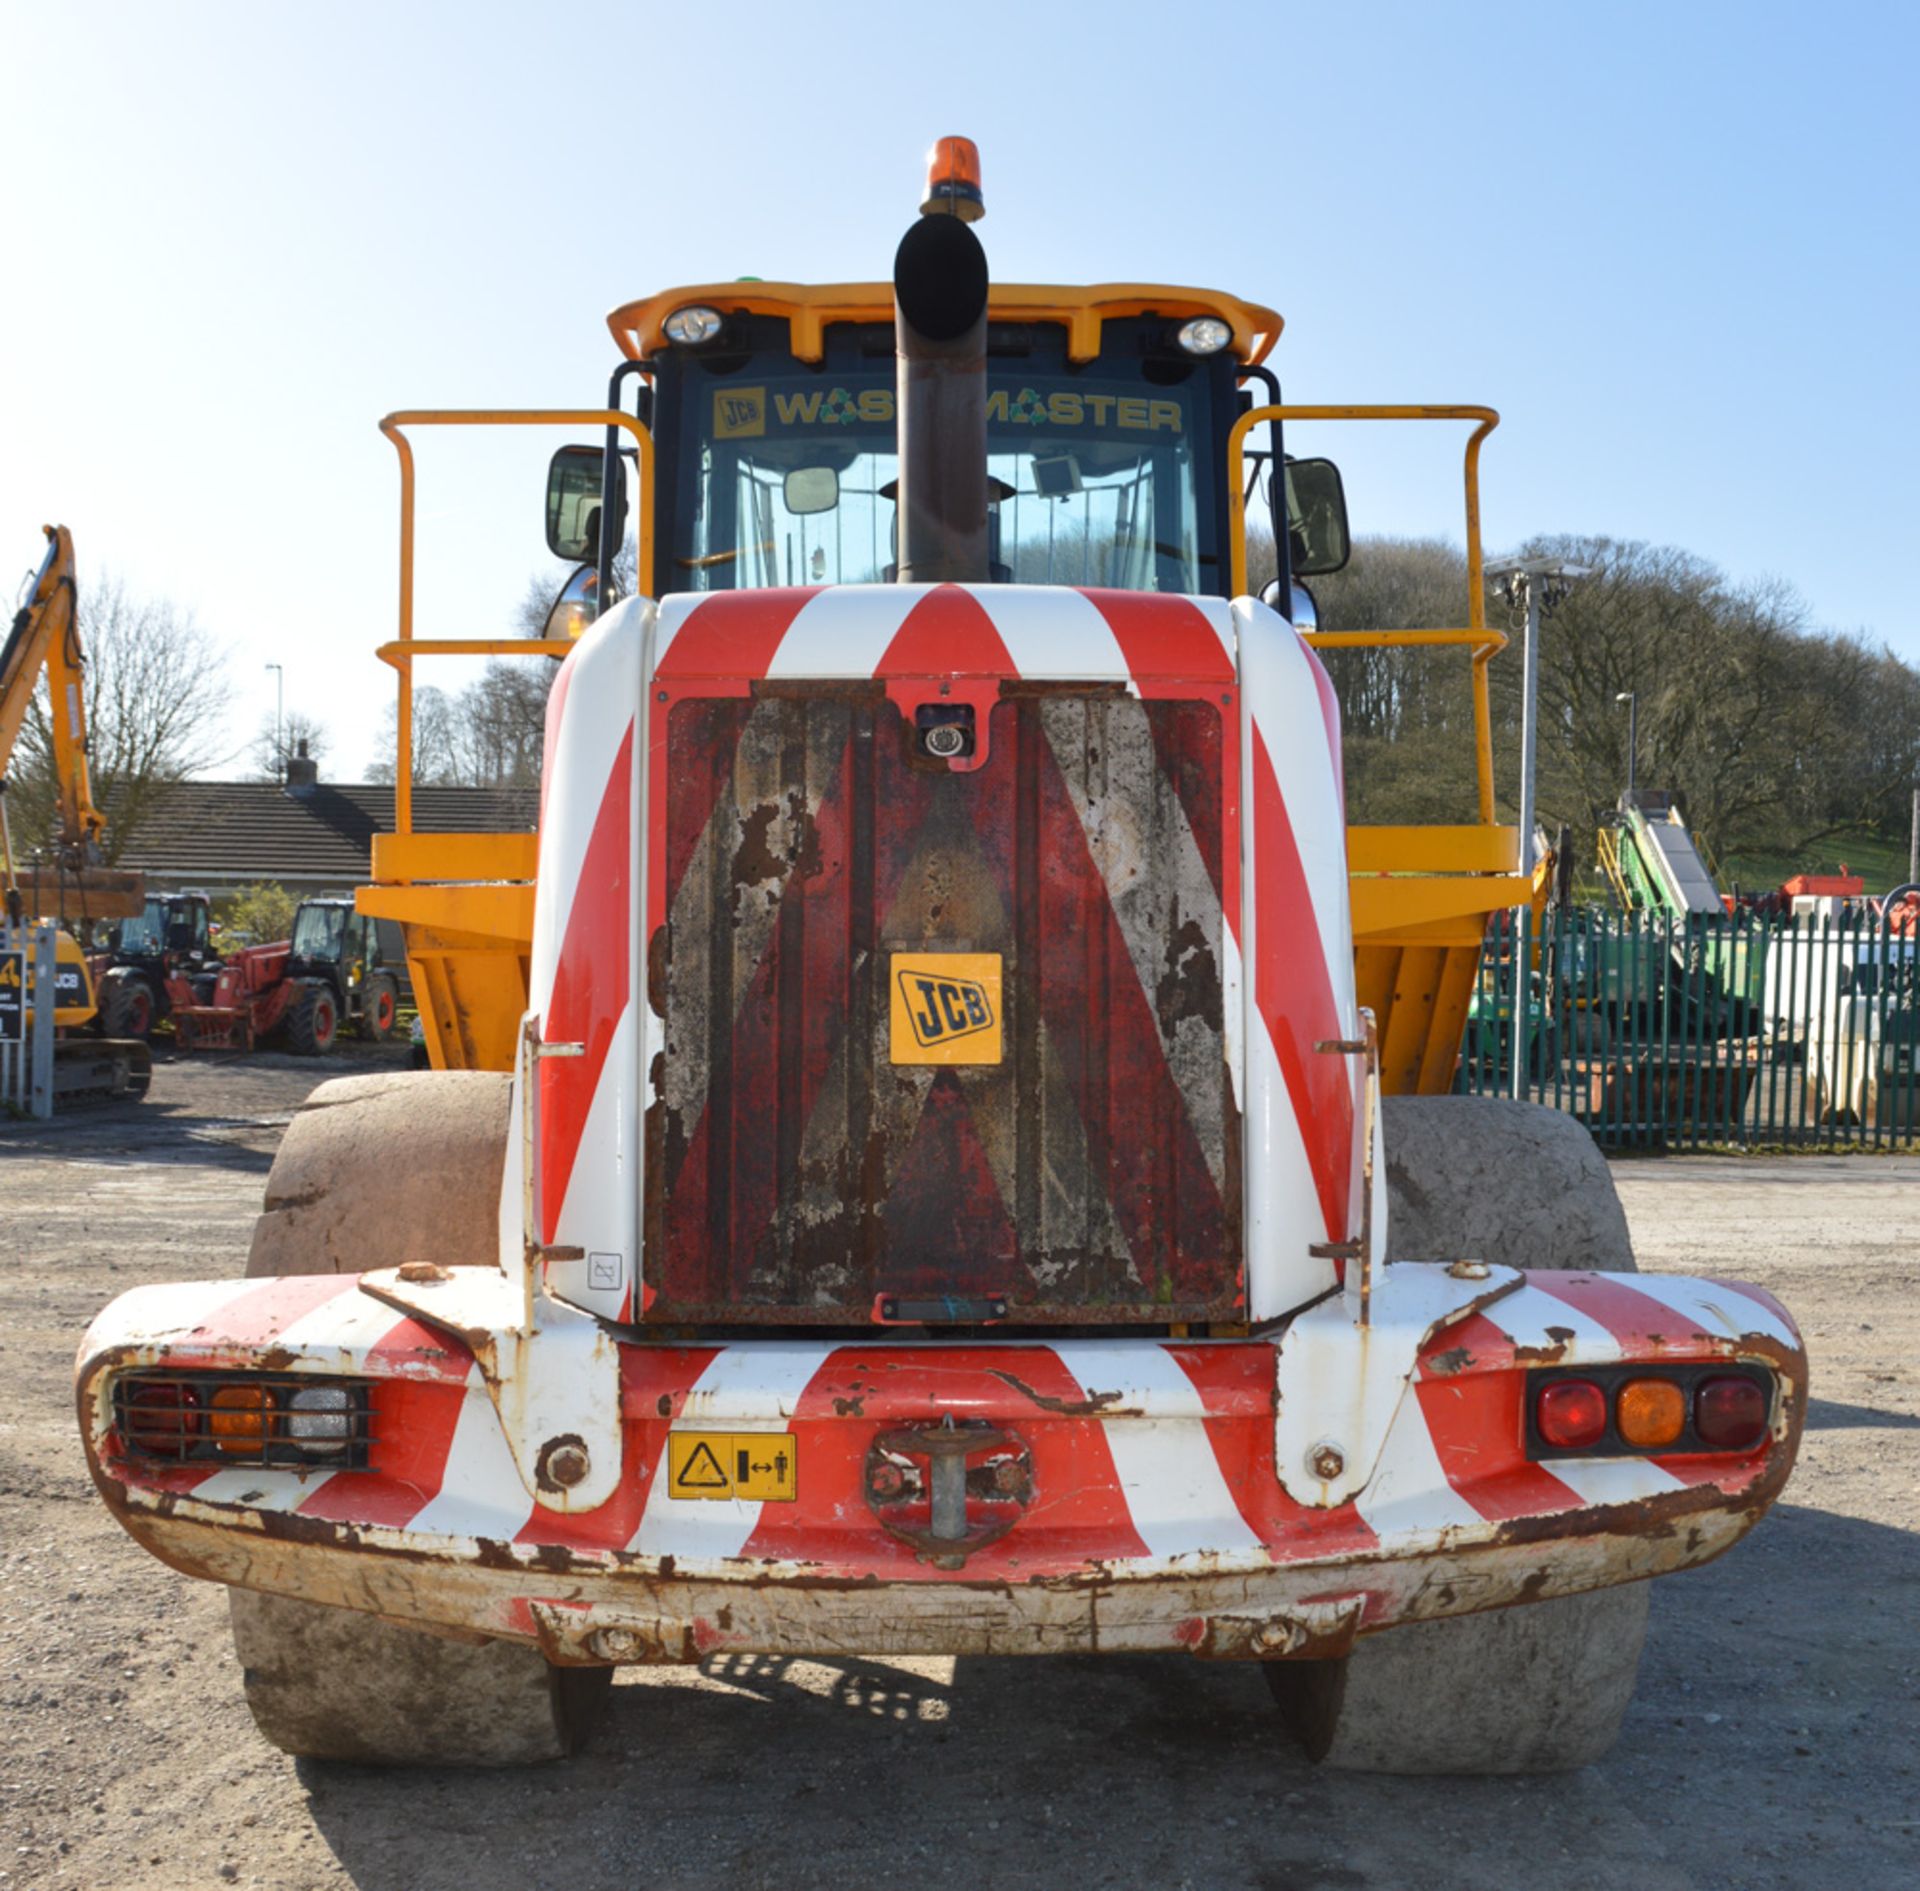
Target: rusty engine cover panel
(796,1172)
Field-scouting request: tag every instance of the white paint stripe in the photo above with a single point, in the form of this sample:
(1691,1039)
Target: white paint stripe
(844,631)
(1714,1309)
(161,1315)
(597,1212)
(259,1489)
(1527,1313)
(1052,632)
(1408,1494)
(1178,1500)
(354,1323)
(744,1388)
(1612,1480)
(1283,1204)
(481,1493)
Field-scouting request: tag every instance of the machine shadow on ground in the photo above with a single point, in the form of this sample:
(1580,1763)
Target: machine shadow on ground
(1165,1770)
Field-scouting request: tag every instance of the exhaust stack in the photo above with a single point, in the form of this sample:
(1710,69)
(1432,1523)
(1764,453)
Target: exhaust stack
(940,340)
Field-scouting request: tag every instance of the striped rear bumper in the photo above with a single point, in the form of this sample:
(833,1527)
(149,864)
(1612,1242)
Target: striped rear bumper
(1116,1494)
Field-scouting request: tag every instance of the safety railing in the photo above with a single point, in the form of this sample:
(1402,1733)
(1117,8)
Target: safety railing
(407,647)
(1683,1031)
(1482,642)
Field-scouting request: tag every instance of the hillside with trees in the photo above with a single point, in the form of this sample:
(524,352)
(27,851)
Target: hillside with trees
(1785,743)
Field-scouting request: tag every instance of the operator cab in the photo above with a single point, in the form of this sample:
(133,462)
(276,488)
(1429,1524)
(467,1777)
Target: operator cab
(773,411)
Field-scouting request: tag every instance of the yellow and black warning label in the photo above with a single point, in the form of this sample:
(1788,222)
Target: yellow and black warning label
(946,1008)
(757,1466)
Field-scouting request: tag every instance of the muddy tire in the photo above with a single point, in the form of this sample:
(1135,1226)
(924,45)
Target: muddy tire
(126,1008)
(313,1022)
(376,1171)
(1536,1689)
(379,1008)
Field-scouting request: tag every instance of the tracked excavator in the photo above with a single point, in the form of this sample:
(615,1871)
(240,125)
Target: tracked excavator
(67,884)
(940,1145)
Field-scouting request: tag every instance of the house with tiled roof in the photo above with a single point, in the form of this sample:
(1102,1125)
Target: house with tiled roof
(309,836)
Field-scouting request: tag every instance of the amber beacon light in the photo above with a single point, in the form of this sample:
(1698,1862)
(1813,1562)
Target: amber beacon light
(953,181)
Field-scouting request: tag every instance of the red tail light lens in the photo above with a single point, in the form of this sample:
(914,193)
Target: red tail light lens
(1729,1414)
(1571,1413)
(163,1420)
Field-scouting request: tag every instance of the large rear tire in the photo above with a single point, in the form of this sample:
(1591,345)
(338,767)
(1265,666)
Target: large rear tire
(313,1021)
(126,1008)
(1536,1689)
(377,1171)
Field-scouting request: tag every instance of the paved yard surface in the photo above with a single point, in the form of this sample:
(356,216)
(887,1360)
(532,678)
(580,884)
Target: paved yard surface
(1775,1740)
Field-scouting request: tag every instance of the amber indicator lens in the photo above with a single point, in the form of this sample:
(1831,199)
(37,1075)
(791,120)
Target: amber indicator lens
(238,1419)
(1651,1413)
(1571,1413)
(1729,1414)
(163,1419)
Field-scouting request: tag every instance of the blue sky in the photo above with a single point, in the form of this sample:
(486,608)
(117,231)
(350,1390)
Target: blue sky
(1675,245)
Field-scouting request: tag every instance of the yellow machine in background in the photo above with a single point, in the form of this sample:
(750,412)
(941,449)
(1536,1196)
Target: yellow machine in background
(70,886)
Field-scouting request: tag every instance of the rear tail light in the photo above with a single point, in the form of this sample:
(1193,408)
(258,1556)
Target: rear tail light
(272,1419)
(1729,1414)
(238,1419)
(161,1420)
(1624,1411)
(1651,1413)
(1571,1414)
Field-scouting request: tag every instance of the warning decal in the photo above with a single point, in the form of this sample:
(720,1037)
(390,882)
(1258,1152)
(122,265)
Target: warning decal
(756,1466)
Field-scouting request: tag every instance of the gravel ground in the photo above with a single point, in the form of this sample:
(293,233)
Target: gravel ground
(1775,1740)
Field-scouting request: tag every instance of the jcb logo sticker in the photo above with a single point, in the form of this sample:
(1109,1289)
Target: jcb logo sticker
(946,1008)
(739,413)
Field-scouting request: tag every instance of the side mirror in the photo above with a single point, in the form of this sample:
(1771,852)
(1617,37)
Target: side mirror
(573,503)
(811,489)
(575,608)
(1317,538)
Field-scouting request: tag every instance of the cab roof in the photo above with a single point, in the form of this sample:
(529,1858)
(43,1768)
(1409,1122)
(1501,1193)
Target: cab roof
(639,327)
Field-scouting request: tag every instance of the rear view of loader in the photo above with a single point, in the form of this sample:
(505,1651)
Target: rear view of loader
(936,1149)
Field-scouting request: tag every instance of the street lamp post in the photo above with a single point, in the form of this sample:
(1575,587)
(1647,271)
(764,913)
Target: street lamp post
(279,720)
(1538,584)
(1632,702)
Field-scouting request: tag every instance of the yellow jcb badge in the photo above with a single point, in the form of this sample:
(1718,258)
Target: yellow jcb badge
(946,1008)
(759,1466)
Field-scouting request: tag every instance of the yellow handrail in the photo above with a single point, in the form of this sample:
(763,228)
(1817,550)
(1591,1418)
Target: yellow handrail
(1477,637)
(400,655)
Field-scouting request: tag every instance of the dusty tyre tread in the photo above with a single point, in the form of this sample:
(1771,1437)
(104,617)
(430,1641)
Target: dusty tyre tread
(334,1684)
(1537,1689)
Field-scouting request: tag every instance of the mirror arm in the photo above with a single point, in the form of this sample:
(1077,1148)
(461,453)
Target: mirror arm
(613,487)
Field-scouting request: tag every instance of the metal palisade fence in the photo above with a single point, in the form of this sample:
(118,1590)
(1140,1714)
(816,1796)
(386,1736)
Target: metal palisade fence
(1698,1032)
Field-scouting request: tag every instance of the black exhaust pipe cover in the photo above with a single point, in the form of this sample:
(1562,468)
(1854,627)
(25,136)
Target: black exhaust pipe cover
(940,336)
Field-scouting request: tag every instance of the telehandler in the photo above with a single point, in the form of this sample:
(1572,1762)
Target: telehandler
(941,1149)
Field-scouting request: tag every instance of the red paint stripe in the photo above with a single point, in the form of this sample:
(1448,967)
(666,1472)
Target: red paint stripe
(1079,1514)
(262,1310)
(947,633)
(1644,1327)
(1229,1379)
(732,634)
(1474,1420)
(1293,992)
(589,987)
(1162,636)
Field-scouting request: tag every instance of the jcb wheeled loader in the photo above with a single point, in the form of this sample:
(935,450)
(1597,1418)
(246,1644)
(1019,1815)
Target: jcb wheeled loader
(942,1147)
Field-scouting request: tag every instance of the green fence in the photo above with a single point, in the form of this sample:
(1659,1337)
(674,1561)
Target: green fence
(1680,1033)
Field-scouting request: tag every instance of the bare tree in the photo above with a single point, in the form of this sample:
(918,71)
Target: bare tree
(281,739)
(156,695)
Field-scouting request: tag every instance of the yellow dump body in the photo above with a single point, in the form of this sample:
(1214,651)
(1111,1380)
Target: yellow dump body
(1422,896)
